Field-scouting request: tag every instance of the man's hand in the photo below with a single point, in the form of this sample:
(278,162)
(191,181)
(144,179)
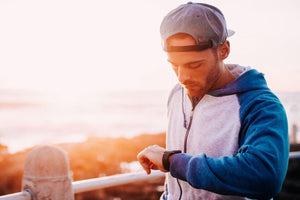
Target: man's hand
(151,158)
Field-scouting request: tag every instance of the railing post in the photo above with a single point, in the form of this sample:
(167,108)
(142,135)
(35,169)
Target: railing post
(47,175)
(293,136)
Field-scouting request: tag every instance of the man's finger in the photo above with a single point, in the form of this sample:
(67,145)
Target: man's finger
(146,164)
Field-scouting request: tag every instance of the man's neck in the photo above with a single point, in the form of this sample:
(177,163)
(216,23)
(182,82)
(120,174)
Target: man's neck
(225,77)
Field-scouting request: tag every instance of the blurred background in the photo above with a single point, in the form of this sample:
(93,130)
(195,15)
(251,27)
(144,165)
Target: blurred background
(75,70)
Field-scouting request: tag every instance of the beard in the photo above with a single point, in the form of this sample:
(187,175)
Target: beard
(203,87)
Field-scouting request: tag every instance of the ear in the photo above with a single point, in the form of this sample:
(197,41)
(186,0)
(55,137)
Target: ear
(224,50)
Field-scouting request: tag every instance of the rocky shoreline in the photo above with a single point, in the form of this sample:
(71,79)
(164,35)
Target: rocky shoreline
(93,158)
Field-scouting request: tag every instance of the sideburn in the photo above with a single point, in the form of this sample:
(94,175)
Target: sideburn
(214,74)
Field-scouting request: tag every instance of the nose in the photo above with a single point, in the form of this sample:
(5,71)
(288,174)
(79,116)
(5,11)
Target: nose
(183,75)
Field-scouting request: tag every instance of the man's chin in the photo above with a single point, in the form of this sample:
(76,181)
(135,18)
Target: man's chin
(194,93)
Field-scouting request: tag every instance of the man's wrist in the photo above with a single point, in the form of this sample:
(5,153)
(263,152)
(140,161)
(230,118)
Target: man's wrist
(166,158)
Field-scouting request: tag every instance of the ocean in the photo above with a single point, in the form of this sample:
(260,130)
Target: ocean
(29,118)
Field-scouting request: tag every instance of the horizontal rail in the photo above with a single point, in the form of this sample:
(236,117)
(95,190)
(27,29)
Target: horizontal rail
(95,183)
(109,181)
(294,155)
(24,195)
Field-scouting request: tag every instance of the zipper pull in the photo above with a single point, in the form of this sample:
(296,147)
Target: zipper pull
(192,114)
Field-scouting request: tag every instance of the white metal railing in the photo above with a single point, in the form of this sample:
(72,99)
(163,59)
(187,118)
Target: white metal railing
(94,183)
(24,195)
(295,154)
(108,181)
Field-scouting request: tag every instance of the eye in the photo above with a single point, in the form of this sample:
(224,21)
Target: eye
(195,65)
(174,66)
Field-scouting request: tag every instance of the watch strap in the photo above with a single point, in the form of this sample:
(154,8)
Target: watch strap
(165,158)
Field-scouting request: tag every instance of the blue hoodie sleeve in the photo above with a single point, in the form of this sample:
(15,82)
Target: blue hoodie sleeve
(259,168)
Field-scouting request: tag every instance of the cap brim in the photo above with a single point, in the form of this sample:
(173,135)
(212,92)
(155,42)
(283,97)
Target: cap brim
(230,33)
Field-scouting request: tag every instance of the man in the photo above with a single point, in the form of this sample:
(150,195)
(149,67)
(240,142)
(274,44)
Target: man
(227,134)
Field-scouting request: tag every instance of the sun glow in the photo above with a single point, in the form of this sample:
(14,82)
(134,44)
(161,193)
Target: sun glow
(81,46)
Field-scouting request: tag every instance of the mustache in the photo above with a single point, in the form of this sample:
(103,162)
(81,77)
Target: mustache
(189,83)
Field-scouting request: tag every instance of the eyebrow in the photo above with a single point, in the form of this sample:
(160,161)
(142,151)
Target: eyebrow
(189,63)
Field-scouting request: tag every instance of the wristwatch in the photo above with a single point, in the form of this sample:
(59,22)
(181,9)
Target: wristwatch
(165,158)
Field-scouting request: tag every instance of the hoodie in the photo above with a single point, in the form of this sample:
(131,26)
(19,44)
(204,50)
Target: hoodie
(234,142)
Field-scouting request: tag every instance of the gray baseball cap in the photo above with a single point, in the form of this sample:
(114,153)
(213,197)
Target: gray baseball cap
(204,22)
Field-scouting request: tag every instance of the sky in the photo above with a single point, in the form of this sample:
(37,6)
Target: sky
(89,45)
